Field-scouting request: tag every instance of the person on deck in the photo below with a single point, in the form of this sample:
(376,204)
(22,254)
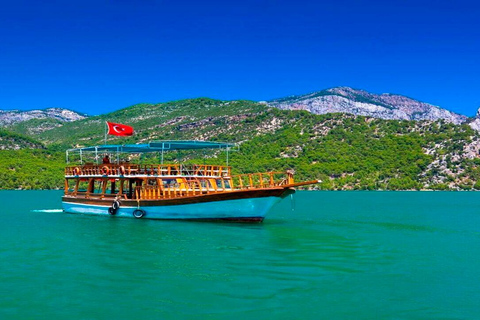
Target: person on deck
(106,159)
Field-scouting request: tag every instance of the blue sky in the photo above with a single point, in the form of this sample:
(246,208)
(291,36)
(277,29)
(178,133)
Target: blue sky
(103,55)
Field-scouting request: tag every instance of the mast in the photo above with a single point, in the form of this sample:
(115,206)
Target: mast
(105,141)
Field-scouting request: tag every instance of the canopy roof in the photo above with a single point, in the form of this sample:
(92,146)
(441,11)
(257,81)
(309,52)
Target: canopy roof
(156,146)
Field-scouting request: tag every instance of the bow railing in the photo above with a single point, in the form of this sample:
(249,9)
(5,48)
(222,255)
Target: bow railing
(196,187)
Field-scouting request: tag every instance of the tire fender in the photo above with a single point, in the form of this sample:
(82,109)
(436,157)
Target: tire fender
(139,213)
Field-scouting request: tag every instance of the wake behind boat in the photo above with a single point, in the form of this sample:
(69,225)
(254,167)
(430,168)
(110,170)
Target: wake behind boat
(169,191)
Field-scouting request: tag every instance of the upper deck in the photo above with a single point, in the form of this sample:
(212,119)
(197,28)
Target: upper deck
(127,170)
(115,167)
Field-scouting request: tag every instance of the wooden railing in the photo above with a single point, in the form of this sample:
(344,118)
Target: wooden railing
(189,186)
(218,185)
(148,170)
(91,195)
(262,180)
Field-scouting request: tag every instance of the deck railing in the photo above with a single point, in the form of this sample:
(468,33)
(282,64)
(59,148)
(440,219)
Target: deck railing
(219,185)
(148,170)
(262,180)
(191,186)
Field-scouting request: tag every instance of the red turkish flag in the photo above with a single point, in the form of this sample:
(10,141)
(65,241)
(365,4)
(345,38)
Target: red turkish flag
(118,129)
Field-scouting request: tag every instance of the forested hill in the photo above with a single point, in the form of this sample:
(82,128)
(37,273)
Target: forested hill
(25,163)
(344,151)
(14,141)
(189,119)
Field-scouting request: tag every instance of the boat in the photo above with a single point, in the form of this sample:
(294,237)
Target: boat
(175,191)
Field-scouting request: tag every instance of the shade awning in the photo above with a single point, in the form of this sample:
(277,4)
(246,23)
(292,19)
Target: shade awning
(157,146)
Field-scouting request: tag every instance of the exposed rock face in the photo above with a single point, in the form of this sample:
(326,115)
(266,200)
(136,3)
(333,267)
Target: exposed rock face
(475,124)
(359,102)
(9,117)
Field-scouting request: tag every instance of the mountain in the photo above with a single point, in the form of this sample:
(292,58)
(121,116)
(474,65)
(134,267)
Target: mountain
(345,151)
(360,102)
(475,122)
(11,117)
(200,118)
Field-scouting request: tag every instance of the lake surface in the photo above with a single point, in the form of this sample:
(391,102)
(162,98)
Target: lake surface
(339,255)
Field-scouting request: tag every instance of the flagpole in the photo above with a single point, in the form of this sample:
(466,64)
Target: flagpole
(105,141)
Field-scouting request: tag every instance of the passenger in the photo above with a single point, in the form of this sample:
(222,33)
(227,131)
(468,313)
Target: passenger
(106,159)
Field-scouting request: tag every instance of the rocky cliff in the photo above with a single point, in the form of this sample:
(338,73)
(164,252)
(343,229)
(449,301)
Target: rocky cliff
(360,102)
(475,123)
(9,117)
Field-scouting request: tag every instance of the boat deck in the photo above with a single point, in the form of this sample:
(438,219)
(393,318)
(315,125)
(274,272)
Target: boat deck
(157,182)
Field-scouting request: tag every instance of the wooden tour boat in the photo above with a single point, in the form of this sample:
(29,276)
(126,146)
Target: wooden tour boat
(169,191)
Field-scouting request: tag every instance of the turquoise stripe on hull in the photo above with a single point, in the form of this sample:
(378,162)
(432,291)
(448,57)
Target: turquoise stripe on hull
(255,208)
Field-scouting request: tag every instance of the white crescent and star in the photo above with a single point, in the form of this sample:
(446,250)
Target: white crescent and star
(118,129)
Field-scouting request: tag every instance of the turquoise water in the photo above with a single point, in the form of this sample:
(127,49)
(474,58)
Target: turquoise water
(339,255)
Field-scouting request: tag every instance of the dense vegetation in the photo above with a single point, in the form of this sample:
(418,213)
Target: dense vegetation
(31,169)
(344,151)
(355,153)
(15,141)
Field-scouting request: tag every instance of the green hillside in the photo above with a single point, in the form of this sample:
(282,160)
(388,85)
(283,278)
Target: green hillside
(14,141)
(33,127)
(344,151)
(26,164)
(155,121)
(31,169)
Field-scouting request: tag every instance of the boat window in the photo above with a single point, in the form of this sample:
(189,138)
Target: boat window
(227,183)
(169,183)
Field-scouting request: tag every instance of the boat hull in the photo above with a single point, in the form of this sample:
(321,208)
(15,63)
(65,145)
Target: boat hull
(233,206)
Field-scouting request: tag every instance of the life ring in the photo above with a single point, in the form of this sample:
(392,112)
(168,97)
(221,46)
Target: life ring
(122,170)
(76,171)
(138,213)
(105,170)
